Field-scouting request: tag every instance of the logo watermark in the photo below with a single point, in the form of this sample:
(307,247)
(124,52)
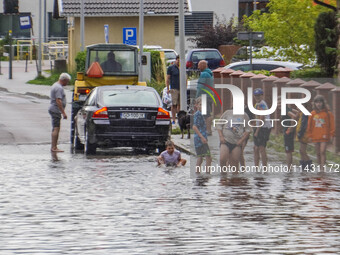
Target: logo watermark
(238,100)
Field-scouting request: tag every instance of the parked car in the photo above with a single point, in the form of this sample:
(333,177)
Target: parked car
(268,53)
(261,64)
(122,116)
(212,56)
(170,56)
(242,54)
(151,47)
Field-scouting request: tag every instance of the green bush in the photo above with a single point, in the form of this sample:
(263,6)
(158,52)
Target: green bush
(80,61)
(264,72)
(222,33)
(158,86)
(312,72)
(157,72)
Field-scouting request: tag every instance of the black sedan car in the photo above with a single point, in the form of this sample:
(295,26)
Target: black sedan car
(122,116)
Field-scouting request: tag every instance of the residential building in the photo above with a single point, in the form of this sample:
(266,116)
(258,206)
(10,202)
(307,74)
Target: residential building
(51,29)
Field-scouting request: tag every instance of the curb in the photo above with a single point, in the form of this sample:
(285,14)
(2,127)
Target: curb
(182,149)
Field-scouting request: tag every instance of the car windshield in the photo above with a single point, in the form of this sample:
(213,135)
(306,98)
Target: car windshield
(128,98)
(169,54)
(117,61)
(205,55)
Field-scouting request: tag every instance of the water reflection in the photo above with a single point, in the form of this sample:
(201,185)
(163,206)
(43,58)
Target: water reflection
(123,204)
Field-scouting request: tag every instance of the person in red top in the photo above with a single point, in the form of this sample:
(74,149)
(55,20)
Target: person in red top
(321,128)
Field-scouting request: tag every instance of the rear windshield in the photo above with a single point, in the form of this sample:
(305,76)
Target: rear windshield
(169,54)
(116,61)
(206,55)
(128,98)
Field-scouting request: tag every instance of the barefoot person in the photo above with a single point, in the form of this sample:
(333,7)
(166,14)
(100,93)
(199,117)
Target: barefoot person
(261,133)
(321,128)
(233,131)
(57,108)
(201,138)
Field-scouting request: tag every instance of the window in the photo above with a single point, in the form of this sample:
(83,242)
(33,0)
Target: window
(206,55)
(5,26)
(91,99)
(243,68)
(267,67)
(170,54)
(57,29)
(128,98)
(195,22)
(114,61)
(246,7)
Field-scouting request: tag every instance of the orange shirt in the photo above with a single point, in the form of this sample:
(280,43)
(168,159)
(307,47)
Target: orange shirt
(321,126)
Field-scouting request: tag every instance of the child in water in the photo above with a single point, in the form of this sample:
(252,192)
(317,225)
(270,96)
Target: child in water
(171,156)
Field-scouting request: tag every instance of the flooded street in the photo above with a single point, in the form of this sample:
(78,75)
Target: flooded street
(119,202)
(123,204)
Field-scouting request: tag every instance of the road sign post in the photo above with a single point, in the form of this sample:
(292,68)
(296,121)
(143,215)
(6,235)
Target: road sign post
(250,36)
(106,33)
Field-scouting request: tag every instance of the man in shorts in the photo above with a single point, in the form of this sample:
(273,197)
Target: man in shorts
(173,87)
(57,108)
(261,134)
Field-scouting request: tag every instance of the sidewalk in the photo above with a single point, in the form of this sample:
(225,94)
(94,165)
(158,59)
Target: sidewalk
(187,145)
(19,78)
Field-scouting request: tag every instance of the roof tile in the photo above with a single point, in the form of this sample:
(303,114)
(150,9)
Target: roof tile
(120,7)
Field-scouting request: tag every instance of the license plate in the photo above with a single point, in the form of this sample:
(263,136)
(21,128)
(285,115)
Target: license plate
(132,115)
(82,97)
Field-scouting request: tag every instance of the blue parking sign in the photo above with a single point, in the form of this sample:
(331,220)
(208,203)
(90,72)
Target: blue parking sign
(130,35)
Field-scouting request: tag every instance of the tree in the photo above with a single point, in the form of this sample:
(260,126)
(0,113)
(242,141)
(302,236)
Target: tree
(326,41)
(288,28)
(212,36)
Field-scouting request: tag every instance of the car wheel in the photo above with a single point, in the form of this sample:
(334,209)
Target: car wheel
(72,120)
(90,149)
(77,145)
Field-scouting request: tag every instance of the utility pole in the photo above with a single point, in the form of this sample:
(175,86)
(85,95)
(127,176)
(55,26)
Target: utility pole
(40,39)
(10,52)
(141,38)
(82,25)
(182,71)
(45,22)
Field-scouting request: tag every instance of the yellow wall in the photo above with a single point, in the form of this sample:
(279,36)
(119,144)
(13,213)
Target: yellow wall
(157,31)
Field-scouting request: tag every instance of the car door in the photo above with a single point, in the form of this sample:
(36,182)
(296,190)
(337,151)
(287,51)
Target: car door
(83,113)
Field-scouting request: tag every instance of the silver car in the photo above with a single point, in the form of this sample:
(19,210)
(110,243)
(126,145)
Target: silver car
(262,64)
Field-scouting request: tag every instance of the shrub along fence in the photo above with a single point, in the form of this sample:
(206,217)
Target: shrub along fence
(279,79)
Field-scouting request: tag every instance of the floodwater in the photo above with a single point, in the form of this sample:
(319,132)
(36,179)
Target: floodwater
(121,203)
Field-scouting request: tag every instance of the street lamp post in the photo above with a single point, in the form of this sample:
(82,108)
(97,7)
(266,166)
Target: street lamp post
(182,73)
(82,25)
(141,35)
(40,38)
